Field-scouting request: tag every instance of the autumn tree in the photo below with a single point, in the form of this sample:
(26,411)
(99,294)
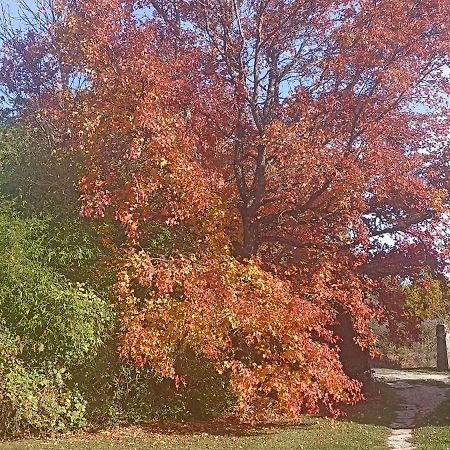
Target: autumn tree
(428,298)
(296,150)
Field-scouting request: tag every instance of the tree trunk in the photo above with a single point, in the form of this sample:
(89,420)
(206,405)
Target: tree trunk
(354,359)
(442,355)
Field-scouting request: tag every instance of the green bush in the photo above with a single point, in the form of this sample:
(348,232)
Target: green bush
(34,401)
(49,326)
(55,320)
(205,393)
(117,391)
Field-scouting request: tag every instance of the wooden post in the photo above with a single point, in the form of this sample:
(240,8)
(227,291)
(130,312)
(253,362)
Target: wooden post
(448,348)
(442,356)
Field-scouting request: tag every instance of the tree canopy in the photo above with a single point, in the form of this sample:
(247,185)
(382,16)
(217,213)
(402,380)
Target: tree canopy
(297,151)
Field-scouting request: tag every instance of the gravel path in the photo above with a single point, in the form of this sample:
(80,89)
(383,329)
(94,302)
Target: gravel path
(420,393)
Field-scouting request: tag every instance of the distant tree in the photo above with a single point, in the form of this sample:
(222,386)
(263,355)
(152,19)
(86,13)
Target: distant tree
(429,298)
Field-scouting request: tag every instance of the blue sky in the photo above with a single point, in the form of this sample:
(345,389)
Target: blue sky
(12,6)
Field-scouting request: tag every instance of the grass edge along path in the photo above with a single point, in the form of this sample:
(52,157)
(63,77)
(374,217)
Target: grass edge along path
(434,432)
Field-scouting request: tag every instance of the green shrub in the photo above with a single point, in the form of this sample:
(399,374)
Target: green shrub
(205,393)
(55,320)
(49,326)
(33,401)
(117,391)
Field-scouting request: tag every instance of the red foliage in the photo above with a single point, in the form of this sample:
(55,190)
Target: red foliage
(302,146)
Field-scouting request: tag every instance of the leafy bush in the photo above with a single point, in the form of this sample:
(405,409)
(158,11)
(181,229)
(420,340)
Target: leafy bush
(118,391)
(49,326)
(34,400)
(55,319)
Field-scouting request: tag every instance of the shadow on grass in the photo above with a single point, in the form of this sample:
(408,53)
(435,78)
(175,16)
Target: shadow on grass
(439,417)
(378,408)
(224,426)
(433,431)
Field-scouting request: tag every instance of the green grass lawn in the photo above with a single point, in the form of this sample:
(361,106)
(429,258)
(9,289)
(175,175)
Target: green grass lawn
(433,438)
(435,432)
(324,434)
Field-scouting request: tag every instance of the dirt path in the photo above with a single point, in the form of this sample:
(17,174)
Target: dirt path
(420,393)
